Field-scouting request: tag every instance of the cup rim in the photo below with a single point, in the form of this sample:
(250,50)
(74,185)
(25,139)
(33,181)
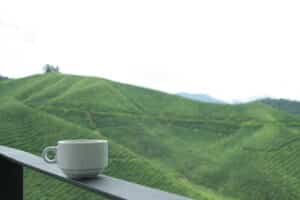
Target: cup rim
(82,141)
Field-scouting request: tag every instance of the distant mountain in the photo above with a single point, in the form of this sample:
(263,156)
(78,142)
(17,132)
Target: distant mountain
(3,77)
(289,106)
(200,97)
(249,99)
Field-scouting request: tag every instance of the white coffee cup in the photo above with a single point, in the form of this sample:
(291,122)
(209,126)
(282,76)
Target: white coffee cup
(79,158)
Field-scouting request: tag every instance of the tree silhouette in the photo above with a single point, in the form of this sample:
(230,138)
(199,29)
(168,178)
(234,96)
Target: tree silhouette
(50,68)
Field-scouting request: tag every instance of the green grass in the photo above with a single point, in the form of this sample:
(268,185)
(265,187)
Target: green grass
(200,150)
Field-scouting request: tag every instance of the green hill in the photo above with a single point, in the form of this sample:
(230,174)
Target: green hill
(200,150)
(289,106)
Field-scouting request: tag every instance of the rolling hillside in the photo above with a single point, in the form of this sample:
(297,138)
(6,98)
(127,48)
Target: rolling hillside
(200,150)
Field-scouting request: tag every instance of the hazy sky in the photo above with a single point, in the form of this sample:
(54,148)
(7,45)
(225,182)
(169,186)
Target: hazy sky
(228,49)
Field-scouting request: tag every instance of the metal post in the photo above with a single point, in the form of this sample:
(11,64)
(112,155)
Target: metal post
(11,180)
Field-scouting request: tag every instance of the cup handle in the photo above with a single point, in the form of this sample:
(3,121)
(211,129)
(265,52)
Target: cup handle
(45,154)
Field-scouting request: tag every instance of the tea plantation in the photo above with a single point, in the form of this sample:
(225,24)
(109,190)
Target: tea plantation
(200,150)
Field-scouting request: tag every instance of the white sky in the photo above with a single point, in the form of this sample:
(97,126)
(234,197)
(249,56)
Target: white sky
(231,49)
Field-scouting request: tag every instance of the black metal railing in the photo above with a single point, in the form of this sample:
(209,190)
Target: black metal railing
(12,162)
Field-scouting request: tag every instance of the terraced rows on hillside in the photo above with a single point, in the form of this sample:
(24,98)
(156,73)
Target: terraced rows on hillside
(201,150)
(32,131)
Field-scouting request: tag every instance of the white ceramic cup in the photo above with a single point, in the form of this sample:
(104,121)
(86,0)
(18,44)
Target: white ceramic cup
(79,158)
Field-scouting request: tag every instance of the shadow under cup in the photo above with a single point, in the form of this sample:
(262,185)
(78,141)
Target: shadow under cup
(79,158)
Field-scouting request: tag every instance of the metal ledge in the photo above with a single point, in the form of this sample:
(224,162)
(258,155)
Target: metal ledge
(112,188)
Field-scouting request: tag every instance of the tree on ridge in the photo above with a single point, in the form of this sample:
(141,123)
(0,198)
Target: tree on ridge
(50,68)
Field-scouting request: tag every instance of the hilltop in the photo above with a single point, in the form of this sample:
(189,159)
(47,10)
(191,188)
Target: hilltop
(201,150)
(289,106)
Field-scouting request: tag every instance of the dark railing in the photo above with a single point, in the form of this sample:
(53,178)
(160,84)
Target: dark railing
(12,162)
